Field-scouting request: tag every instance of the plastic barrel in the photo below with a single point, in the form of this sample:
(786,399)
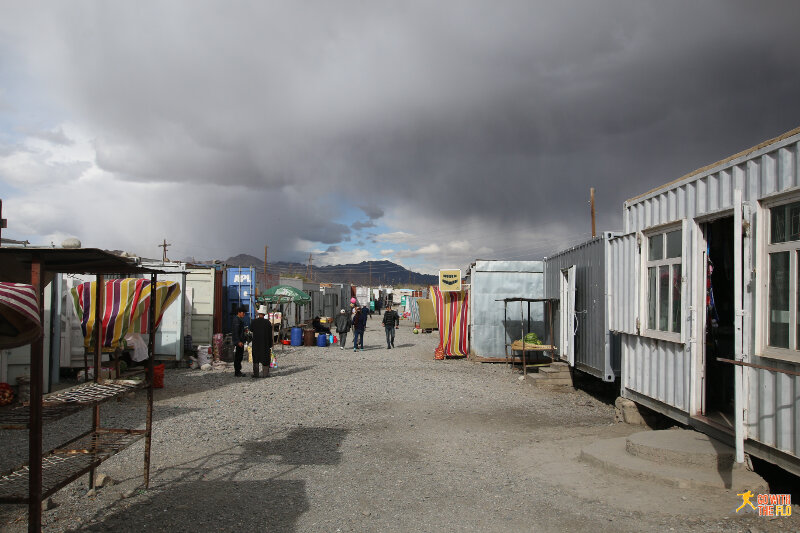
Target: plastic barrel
(297,336)
(158,376)
(322,340)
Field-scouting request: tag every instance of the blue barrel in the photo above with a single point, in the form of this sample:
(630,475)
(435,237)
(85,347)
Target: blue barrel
(322,340)
(297,336)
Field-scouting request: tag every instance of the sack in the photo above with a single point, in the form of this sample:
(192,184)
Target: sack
(273,363)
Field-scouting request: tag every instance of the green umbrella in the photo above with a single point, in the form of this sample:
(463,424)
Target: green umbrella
(283,294)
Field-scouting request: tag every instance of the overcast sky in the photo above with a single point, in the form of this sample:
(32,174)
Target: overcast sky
(425,133)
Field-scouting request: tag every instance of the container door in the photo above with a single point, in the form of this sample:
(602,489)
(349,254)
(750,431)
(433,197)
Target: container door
(566,348)
(738,324)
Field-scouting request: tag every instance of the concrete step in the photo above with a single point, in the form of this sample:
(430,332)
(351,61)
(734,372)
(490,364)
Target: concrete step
(682,447)
(611,455)
(541,380)
(549,370)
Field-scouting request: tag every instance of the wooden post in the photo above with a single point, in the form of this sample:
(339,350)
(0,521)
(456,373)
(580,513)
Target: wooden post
(591,194)
(35,421)
(151,349)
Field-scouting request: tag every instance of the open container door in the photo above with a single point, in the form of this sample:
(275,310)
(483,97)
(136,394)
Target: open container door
(567,322)
(738,324)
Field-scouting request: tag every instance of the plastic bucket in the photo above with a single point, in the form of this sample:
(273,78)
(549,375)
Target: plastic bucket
(158,376)
(297,336)
(322,340)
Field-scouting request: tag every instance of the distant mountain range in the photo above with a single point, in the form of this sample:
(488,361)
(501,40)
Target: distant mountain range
(364,273)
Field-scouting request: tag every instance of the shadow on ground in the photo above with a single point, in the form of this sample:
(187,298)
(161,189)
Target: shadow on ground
(268,505)
(305,446)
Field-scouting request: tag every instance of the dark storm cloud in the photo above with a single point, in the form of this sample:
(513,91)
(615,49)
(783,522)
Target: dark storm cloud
(326,233)
(359,225)
(372,211)
(499,112)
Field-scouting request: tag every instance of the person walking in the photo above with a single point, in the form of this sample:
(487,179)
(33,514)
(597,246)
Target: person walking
(342,324)
(261,328)
(359,325)
(391,321)
(238,341)
(364,316)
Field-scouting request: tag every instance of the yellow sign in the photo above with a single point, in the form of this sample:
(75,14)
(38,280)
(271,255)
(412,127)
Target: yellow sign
(450,280)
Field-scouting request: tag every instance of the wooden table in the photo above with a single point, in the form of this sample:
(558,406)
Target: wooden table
(519,346)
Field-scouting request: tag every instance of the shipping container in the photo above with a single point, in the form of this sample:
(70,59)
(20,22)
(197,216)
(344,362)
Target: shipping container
(705,274)
(491,281)
(578,279)
(240,288)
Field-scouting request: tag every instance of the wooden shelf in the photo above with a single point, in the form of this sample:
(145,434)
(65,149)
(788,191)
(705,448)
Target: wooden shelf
(64,403)
(68,462)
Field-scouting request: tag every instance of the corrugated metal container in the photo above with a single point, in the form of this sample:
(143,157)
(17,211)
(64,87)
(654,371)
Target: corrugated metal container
(240,289)
(200,289)
(176,321)
(596,350)
(668,376)
(495,280)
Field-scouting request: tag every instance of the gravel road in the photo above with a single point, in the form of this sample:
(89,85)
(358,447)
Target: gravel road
(378,440)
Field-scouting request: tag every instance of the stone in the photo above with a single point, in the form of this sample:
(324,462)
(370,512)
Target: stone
(129,493)
(91,493)
(48,504)
(102,480)
(627,411)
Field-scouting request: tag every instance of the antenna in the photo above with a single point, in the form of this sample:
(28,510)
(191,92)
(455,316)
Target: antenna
(164,245)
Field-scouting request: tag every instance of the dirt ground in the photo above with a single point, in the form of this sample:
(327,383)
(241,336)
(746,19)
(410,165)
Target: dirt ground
(376,440)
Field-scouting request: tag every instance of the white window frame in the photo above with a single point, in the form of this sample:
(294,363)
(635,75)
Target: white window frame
(672,336)
(791,354)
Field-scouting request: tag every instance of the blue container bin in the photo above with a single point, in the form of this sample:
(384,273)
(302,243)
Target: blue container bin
(297,336)
(322,340)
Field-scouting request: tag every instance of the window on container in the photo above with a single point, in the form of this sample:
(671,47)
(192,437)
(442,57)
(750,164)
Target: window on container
(783,258)
(664,287)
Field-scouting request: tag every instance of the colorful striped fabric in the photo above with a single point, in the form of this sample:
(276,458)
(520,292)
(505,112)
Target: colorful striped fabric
(19,315)
(452,314)
(126,309)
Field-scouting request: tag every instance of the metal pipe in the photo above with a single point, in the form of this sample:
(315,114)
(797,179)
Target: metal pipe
(35,430)
(99,309)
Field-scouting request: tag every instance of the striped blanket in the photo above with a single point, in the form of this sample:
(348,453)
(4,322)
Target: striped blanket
(451,312)
(126,308)
(19,315)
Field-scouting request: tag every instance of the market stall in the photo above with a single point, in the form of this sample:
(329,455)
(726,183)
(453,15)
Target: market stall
(47,472)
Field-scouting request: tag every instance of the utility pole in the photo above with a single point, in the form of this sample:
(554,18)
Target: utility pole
(3,223)
(164,245)
(310,269)
(370,273)
(266,280)
(591,194)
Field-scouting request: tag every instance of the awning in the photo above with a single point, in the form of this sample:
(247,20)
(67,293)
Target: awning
(126,310)
(283,294)
(19,315)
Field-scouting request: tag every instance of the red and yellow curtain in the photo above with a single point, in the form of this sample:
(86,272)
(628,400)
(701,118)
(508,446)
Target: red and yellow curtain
(126,308)
(452,314)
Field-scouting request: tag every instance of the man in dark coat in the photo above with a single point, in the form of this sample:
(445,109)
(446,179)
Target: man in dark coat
(261,328)
(391,320)
(342,323)
(238,341)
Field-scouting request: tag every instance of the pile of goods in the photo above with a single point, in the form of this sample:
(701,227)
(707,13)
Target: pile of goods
(531,338)
(6,394)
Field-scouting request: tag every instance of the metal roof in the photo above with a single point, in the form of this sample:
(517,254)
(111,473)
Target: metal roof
(15,263)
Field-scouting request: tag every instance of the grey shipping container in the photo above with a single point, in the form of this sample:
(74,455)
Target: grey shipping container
(580,320)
